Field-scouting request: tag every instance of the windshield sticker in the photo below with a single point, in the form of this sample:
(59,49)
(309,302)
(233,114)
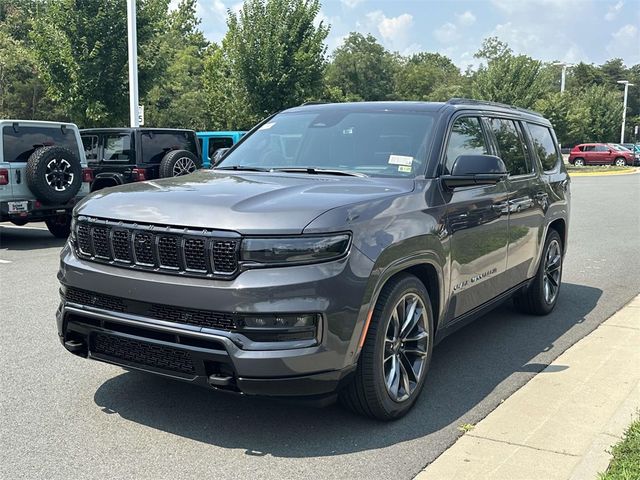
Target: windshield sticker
(400,160)
(267,126)
(404,169)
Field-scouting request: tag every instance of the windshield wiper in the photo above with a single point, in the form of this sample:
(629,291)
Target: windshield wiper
(244,168)
(319,171)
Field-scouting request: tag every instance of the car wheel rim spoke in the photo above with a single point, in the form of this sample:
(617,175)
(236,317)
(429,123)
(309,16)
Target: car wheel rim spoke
(552,271)
(183,166)
(405,347)
(58,174)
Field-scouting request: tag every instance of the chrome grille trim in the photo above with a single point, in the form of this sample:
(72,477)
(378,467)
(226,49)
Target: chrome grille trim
(164,249)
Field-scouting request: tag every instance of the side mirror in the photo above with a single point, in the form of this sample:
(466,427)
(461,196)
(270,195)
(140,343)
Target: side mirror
(217,156)
(470,170)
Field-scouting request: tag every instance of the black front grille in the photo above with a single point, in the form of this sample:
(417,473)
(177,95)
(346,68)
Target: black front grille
(142,353)
(158,248)
(121,242)
(168,251)
(143,246)
(186,316)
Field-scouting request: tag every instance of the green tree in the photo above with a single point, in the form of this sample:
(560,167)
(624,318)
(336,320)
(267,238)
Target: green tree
(177,97)
(361,69)
(82,47)
(271,58)
(428,77)
(512,79)
(595,115)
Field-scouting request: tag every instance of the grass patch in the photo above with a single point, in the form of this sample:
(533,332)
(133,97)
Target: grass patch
(625,464)
(466,427)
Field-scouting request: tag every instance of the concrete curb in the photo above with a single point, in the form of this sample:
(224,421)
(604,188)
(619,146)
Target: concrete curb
(602,174)
(563,422)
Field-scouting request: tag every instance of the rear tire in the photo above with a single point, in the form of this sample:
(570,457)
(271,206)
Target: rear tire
(579,162)
(394,361)
(60,226)
(177,163)
(540,297)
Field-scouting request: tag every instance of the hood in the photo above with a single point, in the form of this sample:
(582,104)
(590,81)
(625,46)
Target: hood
(246,202)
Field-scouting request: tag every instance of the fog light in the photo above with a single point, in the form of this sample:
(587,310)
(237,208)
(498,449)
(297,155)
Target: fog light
(278,321)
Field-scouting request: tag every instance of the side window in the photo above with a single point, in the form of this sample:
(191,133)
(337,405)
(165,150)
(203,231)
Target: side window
(219,142)
(466,138)
(588,148)
(601,148)
(117,148)
(545,146)
(511,146)
(90,143)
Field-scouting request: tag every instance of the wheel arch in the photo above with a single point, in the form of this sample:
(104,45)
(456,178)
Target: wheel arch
(427,268)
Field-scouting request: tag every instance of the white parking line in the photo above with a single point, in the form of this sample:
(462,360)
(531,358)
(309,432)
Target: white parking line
(5,261)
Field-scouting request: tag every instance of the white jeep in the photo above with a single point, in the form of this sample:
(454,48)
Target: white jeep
(43,173)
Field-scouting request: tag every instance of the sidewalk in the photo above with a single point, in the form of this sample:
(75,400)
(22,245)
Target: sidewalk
(560,424)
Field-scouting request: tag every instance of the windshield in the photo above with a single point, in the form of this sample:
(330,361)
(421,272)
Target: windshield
(620,148)
(372,143)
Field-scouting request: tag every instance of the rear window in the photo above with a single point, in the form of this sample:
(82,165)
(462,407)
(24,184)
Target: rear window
(19,145)
(155,145)
(545,146)
(216,143)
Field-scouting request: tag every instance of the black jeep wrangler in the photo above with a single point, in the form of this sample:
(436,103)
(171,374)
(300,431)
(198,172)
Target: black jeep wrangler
(124,155)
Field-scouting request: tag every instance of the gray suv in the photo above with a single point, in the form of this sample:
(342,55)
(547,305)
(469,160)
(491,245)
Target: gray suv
(327,253)
(42,173)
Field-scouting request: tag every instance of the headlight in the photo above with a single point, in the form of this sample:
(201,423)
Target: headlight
(294,250)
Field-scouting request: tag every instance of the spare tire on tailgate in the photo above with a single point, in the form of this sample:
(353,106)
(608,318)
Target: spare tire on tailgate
(54,174)
(179,162)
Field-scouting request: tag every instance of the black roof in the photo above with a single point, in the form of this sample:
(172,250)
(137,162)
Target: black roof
(131,129)
(410,106)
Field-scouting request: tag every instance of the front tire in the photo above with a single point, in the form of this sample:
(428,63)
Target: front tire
(620,162)
(578,162)
(540,297)
(396,354)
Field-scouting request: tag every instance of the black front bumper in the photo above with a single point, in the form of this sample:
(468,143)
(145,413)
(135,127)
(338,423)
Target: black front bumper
(182,355)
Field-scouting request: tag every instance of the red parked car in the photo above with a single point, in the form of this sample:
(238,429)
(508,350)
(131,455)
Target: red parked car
(600,154)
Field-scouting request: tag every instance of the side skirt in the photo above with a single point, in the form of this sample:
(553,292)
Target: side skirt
(470,316)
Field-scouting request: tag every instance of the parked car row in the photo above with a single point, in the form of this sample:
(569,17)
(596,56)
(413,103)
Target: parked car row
(604,154)
(47,167)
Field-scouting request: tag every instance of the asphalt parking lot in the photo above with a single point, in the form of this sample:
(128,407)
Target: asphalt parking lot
(63,417)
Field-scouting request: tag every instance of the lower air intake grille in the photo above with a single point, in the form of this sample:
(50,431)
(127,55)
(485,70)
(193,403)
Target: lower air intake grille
(186,316)
(141,353)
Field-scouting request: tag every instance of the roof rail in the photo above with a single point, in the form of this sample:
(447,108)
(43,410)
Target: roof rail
(471,101)
(313,102)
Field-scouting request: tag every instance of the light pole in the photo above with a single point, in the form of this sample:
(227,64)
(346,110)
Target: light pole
(564,73)
(133,63)
(624,106)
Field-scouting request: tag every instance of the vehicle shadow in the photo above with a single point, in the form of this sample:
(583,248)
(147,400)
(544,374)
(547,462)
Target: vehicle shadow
(466,368)
(27,238)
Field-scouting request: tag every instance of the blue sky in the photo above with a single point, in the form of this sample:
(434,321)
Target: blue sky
(568,30)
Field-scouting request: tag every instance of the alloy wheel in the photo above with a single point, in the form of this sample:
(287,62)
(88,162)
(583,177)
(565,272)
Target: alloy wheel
(183,166)
(579,163)
(59,174)
(620,162)
(552,270)
(405,347)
